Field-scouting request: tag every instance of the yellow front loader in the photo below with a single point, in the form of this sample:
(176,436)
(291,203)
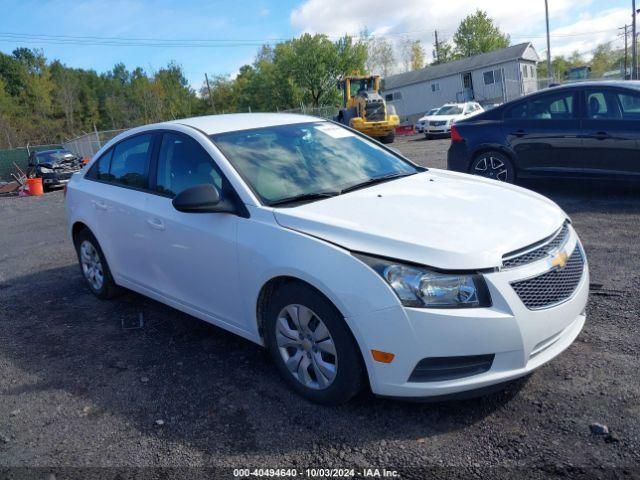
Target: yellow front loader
(365,110)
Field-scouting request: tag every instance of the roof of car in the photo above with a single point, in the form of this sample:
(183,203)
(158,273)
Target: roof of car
(54,150)
(601,83)
(212,124)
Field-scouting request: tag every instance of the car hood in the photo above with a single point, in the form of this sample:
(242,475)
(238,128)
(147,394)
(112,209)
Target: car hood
(446,117)
(70,163)
(437,218)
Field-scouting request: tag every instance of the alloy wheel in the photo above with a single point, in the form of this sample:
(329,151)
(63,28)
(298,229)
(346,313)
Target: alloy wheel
(306,347)
(91,265)
(491,167)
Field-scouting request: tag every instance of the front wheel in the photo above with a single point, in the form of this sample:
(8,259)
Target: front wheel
(388,138)
(312,346)
(493,165)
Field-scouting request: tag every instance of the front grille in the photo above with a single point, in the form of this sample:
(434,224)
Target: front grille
(374,111)
(554,286)
(438,123)
(535,252)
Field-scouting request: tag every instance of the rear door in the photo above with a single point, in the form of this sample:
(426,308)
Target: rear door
(544,131)
(611,132)
(119,202)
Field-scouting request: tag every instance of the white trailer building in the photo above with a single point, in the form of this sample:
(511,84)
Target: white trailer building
(492,77)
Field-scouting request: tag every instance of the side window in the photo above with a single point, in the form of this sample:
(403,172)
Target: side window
(546,107)
(183,163)
(598,104)
(100,169)
(130,161)
(629,105)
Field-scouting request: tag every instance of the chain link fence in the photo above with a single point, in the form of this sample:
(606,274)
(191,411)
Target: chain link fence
(327,111)
(87,145)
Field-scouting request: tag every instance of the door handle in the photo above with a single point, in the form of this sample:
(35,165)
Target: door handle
(99,205)
(519,133)
(155,223)
(599,135)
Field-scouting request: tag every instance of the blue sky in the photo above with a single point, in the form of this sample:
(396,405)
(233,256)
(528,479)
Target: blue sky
(575,24)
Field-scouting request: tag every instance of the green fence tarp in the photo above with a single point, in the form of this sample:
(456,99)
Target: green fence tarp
(20,156)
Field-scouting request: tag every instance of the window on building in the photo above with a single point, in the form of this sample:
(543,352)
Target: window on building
(389,97)
(397,95)
(492,76)
(488,77)
(435,87)
(525,72)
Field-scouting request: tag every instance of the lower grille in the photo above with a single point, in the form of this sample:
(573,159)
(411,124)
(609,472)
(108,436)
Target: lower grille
(438,123)
(554,286)
(438,369)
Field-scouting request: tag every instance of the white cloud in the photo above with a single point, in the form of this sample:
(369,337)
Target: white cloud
(524,21)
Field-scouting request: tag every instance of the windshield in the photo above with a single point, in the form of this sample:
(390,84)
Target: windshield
(433,111)
(286,161)
(450,110)
(54,157)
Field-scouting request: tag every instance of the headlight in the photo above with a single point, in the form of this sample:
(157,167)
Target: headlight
(46,170)
(418,286)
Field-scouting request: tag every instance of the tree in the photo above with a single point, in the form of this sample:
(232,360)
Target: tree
(446,53)
(314,64)
(417,55)
(477,34)
(380,57)
(412,54)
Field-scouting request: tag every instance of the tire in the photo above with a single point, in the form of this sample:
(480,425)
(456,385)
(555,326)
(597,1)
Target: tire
(388,138)
(299,343)
(493,165)
(94,267)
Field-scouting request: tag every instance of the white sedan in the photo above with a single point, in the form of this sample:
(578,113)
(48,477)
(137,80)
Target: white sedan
(349,263)
(423,121)
(447,115)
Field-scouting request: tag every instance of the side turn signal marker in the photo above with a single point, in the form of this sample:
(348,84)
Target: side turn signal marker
(382,357)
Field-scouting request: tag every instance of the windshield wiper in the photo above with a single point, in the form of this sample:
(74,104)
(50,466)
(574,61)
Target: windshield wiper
(304,197)
(374,180)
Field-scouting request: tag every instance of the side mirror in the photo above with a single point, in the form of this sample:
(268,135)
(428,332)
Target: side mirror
(204,198)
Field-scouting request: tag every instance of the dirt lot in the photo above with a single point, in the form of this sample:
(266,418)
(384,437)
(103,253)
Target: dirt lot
(79,390)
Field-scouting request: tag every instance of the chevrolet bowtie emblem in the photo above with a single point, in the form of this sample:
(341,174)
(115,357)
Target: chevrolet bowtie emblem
(560,260)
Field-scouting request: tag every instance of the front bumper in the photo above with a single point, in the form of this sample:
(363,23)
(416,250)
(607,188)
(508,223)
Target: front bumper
(521,339)
(56,179)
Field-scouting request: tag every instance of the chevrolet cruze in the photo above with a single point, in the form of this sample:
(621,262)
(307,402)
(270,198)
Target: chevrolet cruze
(349,263)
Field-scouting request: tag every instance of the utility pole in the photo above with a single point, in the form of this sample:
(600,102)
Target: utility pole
(437,47)
(634,53)
(213,107)
(546,13)
(626,52)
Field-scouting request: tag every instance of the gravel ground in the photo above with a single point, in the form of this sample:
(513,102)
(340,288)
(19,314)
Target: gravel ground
(80,386)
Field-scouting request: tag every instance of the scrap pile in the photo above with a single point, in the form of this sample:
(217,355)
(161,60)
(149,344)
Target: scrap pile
(18,186)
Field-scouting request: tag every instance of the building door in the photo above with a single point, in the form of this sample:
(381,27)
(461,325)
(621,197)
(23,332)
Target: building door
(467,86)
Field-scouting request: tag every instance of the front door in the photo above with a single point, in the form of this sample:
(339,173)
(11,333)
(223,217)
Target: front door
(544,133)
(195,258)
(467,86)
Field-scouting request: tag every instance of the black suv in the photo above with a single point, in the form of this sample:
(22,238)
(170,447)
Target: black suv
(55,167)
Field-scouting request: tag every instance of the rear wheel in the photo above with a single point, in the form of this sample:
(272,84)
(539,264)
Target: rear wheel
(312,346)
(493,165)
(94,267)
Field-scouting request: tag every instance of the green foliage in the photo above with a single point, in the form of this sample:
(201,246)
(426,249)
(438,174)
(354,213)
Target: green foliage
(304,70)
(43,102)
(477,34)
